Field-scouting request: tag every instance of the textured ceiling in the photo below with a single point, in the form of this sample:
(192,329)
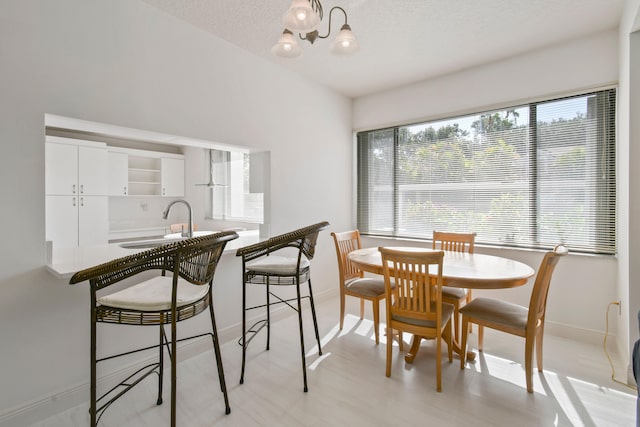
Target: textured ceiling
(402,41)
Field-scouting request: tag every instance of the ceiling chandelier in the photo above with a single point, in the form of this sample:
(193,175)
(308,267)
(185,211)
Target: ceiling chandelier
(304,17)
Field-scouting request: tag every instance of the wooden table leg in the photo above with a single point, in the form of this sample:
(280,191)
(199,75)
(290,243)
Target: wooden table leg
(413,350)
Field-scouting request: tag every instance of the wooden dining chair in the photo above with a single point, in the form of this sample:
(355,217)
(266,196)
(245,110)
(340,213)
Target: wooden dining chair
(353,282)
(515,319)
(414,304)
(455,295)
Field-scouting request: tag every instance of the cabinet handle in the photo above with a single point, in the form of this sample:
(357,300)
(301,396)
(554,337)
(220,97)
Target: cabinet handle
(82,201)
(81,188)
(163,191)
(73,201)
(73,190)
(125,191)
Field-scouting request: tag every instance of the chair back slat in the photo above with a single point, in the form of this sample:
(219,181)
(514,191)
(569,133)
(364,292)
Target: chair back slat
(347,242)
(454,242)
(417,293)
(198,264)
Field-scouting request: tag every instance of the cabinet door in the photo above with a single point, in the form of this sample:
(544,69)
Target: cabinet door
(92,171)
(61,169)
(172,177)
(93,220)
(118,174)
(61,221)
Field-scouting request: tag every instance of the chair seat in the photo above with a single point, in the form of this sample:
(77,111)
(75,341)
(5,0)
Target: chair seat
(497,312)
(276,264)
(447,311)
(453,293)
(366,286)
(154,295)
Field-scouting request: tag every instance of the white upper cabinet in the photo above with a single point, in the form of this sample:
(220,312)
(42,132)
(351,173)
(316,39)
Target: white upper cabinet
(172,177)
(61,169)
(75,168)
(92,171)
(118,174)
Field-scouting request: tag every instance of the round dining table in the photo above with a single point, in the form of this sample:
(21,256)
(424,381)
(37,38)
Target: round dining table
(460,269)
(473,271)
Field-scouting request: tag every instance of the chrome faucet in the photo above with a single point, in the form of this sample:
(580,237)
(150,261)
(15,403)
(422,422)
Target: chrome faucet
(165,215)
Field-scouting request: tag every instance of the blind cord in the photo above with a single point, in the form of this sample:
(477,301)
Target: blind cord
(606,333)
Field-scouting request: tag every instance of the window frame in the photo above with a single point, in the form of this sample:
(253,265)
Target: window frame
(362,185)
(231,189)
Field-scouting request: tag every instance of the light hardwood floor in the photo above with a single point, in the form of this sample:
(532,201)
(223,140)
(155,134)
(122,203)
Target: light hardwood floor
(348,387)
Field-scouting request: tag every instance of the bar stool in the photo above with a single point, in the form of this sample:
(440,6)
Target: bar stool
(260,266)
(182,290)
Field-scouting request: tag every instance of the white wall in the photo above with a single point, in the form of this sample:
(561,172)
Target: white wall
(629,191)
(582,285)
(633,285)
(126,63)
(584,63)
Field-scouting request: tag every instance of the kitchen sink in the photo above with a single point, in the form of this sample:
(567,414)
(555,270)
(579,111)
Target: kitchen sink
(148,244)
(195,234)
(153,243)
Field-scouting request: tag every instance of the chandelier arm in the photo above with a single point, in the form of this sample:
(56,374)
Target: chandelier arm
(317,7)
(330,14)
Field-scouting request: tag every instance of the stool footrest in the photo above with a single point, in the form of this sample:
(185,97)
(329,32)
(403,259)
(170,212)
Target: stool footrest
(253,330)
(142,373)
(149,369)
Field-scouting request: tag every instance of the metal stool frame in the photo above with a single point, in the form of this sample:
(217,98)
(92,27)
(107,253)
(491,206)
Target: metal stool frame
(304,240)
(194,260)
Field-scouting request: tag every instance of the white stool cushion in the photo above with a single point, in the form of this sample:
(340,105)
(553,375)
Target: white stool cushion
(276,264)
(154,295)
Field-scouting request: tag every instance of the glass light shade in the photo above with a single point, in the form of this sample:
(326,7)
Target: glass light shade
(301,17)
(286,46)
(345,42)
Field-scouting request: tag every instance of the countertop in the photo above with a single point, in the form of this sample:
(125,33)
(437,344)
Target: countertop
(66,261)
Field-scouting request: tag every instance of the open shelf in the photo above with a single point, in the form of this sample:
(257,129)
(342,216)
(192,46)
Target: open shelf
(144,176)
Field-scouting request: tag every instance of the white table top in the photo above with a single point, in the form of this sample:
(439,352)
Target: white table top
(476,271)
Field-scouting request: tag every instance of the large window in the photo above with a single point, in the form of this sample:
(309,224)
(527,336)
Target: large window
(528,176)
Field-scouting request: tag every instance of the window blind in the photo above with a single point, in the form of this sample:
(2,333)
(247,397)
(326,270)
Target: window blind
(530,176)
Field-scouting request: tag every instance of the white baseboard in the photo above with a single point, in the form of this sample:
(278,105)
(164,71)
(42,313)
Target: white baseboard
(578,334)
(39,409)
(621,363)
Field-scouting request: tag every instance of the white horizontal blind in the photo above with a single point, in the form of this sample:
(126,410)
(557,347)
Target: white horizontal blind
(527,176)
